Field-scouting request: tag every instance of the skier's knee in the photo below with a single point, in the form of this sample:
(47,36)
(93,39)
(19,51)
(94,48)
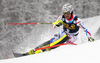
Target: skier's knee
(57,35)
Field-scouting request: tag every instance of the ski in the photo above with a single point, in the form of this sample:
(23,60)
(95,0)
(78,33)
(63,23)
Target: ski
(24,54)
(17,54)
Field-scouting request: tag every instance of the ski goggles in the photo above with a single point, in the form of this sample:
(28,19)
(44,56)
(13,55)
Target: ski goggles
(67,13)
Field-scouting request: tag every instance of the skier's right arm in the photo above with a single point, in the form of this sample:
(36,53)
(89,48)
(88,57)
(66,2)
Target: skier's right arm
(58,22)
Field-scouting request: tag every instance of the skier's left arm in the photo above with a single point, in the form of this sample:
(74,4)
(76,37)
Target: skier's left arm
(81,25)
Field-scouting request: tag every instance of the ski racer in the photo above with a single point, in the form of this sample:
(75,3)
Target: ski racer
(71,25)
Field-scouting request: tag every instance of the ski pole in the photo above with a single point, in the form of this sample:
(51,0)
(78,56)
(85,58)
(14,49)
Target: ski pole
(55,46)
(25,23)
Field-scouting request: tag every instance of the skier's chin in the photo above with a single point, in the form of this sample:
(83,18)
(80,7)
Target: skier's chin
(67,17)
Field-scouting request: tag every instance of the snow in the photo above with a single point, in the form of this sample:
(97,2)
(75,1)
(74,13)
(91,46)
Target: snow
(83,53)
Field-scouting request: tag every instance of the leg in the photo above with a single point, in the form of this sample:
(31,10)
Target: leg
(72,38)
(57,39)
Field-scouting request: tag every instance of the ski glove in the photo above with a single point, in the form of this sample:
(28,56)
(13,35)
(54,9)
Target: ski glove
(91,39)
(57,23)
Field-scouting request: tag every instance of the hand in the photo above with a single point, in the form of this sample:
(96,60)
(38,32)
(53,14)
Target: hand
(91,39)
(57,23)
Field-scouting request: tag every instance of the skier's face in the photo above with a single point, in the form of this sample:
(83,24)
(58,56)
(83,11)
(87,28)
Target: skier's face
(67,15)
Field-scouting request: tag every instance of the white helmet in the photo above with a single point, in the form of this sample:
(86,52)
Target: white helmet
(67,7)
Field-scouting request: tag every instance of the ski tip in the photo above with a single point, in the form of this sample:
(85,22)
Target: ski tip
(17,54)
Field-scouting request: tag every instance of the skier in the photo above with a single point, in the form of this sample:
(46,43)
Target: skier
(71,24)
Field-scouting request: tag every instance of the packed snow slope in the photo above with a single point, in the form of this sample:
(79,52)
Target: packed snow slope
(84,53)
